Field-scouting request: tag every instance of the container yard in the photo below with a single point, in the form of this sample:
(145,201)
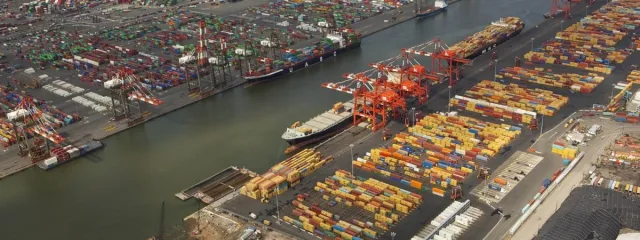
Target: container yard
(583,83)
(284,175)
(142,60)
(439,152)
(394,163)
(367,207)
(535,100)
(591,43)
(446,142)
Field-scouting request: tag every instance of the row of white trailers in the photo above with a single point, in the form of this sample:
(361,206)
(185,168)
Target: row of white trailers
(451,223)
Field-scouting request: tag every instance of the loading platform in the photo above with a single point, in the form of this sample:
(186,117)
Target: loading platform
(217,185)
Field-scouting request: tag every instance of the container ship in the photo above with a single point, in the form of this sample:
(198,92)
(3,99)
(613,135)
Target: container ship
(438,7)
(337,119)
(489,38)
(62,155)
(320,127)
(296,59)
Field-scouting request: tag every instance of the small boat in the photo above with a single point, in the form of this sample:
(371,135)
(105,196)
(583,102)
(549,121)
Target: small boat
(438,7)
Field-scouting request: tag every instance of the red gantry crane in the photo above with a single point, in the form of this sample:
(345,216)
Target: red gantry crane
(559,6)
(382,91)
(444,62)
(373,98)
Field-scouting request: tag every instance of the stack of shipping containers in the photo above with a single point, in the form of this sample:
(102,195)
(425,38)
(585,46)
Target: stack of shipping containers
(584,83)
(544,102)
(284,174)
(439,150)
(563,149)
(386,203)
(487,37)
(590,43)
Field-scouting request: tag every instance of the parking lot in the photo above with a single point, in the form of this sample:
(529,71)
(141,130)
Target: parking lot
(519,166)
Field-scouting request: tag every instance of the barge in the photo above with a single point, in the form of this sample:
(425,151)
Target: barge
(62,155)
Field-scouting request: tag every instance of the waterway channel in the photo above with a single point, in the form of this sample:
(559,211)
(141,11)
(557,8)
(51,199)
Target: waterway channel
(117,192)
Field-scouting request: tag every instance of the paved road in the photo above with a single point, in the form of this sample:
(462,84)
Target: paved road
(612,130)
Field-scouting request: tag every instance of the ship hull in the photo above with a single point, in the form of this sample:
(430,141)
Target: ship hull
(319,136)
(300,65)
(488,48)
(430,14)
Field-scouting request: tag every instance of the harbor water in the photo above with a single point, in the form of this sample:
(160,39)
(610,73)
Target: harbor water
(116,193)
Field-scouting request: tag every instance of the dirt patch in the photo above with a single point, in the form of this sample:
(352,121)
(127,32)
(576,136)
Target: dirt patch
(218,226)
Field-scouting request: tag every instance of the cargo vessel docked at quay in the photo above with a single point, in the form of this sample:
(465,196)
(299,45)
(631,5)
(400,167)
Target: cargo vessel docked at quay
(331,45)
(331,122)
(438,7)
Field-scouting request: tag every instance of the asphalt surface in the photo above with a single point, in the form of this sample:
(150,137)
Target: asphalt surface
(593,149)
(512,203)
(94,123)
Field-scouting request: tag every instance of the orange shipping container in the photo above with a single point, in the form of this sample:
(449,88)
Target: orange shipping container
(416,184)
(500,181)
(437,190)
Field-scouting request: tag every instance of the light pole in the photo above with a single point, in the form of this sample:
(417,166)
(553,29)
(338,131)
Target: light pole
(541,124)
(277,205)
(532,44)
(351,146)
(495,67)
(413,116)
(449,105)
(613,88)
(393,235)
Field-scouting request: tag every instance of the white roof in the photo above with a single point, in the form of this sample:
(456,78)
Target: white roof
(578,137)
(628,236)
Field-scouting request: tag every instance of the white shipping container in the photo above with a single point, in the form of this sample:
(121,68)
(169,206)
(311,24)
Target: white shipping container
(20,113)
(51,161)
(243,52)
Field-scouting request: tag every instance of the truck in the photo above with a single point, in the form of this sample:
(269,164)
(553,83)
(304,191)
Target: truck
(594,130)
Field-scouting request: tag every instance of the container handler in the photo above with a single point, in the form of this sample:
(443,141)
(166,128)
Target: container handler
(386,134)
(456,193)
(483,173)
(533,125)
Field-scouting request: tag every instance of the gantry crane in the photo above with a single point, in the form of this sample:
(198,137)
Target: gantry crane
(373,99)
(445,63)
(126,95)
(410,78)
(559,6)
(202,57)
(220,62)
(34,122)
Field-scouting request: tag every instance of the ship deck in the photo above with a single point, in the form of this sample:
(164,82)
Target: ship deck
(328,118)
